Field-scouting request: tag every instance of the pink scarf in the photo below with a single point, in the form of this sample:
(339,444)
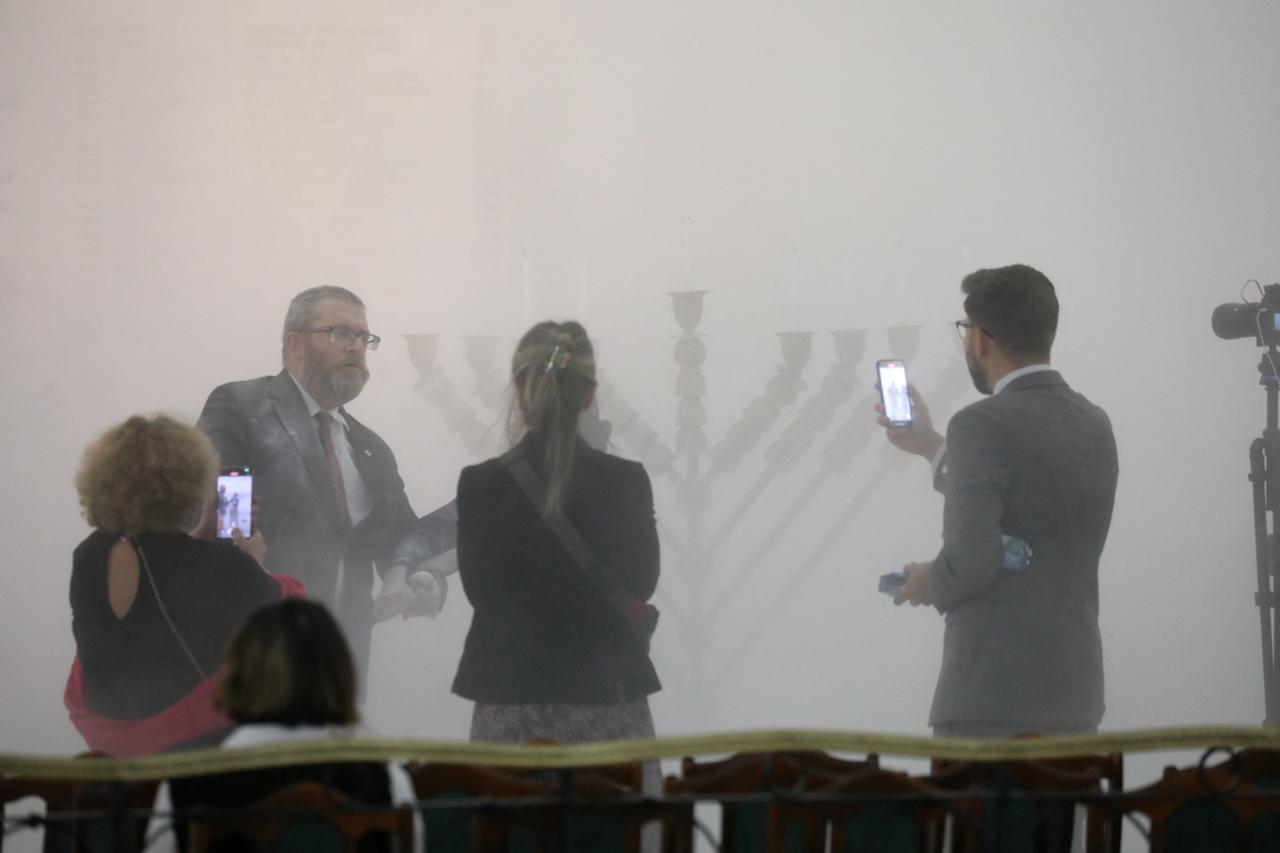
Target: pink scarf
(191,716)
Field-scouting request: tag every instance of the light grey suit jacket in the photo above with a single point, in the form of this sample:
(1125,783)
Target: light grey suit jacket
(1022,647)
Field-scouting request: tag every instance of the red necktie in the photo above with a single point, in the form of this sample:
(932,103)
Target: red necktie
(335,470)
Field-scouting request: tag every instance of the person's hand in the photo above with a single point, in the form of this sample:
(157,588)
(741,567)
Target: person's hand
(919,437)
(395,597)
(430,589)
(207,526)
(255,546)
(916,588)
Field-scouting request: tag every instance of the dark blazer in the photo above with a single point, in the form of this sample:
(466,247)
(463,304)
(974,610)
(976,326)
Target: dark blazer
(263,423)
(1036,461)
(541,632)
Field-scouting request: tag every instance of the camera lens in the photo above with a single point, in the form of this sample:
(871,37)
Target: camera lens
(1236,320)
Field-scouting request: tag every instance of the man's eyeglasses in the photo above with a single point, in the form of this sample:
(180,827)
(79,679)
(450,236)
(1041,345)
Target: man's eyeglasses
(345,337)
(963,326)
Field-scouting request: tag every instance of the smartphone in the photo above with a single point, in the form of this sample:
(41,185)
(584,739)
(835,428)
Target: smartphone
(235,501)
(892,376)
(892,583)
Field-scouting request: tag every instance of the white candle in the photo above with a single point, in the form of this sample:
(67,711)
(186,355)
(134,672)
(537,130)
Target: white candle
(527,292)
(688,245)
(793,293)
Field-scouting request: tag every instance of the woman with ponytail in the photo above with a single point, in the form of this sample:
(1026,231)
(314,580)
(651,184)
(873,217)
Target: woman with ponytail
(558,553)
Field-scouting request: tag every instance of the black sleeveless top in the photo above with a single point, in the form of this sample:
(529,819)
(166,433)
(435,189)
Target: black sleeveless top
(134,666)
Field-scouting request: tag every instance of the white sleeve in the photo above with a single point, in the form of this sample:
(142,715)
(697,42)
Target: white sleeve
(402,794)
(160,837)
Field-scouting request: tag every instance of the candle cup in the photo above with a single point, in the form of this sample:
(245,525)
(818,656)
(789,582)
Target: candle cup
(850,344)
(422,351)
(796,349)
(687,307)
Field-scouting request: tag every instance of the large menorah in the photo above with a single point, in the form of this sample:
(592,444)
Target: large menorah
(696,469)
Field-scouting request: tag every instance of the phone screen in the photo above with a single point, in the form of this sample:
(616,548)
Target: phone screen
(235,501)
(892,375)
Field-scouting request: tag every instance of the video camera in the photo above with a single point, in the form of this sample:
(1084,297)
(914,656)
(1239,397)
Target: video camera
(1257,320)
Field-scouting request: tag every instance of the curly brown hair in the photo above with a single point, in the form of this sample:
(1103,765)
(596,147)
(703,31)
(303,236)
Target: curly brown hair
(146,474)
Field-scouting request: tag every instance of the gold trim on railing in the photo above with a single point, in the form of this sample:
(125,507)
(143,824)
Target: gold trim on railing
(195,762)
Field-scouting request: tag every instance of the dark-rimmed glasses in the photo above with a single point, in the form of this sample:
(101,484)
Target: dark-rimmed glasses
(963,326)
(345,337)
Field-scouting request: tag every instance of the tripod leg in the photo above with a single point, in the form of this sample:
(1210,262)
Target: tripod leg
(1264,597)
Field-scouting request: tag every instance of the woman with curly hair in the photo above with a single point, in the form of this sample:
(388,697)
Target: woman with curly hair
(152,604)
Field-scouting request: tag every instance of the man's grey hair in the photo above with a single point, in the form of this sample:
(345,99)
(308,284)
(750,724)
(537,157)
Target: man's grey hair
(298,316)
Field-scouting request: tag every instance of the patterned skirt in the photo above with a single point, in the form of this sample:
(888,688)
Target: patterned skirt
(571,724)
(561,722)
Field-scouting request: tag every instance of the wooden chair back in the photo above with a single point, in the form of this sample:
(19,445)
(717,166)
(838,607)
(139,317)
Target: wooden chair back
(1203,809)
(16,788)
(81,816)
(306,817)
(872,809)
(744,825)
(529,809)
(1029,804)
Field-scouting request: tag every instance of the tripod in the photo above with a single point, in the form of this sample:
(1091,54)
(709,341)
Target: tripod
(1264,473)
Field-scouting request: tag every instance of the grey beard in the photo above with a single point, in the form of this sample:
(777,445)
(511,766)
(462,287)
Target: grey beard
(339,390)
(345,390)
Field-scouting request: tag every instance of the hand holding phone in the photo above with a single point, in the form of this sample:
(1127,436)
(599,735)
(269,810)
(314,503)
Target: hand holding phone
(891,377)
(915,434)
(892,583)
(255,546)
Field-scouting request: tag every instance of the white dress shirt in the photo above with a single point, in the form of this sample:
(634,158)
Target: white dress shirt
(359,502)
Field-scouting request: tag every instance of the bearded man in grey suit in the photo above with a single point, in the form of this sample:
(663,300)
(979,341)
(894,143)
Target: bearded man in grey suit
(332,505)
(1033,464)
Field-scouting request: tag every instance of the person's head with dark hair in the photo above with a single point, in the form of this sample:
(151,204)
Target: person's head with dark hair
(553,377)
(1011,317)
(289,664)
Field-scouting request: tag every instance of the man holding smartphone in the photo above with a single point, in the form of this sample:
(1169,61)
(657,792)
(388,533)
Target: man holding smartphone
(332,504)
(1035,464)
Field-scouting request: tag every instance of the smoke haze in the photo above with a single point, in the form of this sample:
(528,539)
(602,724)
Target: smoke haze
(171,175)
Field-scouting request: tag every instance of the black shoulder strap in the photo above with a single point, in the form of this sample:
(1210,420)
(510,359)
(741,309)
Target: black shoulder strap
(569,537)
(164,611)
(639,617)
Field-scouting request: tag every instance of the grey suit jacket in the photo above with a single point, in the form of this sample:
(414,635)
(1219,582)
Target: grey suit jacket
(1036,461)
(264,423)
